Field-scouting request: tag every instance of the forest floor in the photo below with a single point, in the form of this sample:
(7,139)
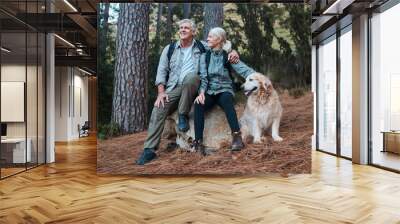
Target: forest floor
(291,156)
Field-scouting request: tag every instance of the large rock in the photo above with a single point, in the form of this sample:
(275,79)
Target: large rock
(217,133)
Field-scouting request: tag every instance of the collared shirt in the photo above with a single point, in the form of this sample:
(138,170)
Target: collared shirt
(169,71)
(217,79)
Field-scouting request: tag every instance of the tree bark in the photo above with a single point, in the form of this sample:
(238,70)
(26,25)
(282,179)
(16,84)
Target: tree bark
(213,17)
(186,10)
(131,68)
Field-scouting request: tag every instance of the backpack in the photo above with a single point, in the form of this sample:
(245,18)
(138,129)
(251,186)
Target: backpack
(171,50)
(227,65)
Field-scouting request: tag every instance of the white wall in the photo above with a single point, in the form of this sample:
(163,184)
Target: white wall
(71,94)
(80,112)
(12,100)
(13,72)
(61,103)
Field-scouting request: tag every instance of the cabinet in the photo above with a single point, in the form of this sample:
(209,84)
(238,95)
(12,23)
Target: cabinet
(13,150)
(391,141)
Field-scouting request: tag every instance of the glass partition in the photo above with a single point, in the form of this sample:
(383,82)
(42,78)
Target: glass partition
(346,92)
(327,95)
(13,105)
(22,77)
(41,85)
(31,99)
(385,89)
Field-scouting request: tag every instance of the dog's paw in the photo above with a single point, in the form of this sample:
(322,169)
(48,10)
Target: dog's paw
(257,141)
(277,139)
(263,139)
(248,139)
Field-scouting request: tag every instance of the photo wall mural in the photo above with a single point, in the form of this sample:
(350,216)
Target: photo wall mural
(204,88)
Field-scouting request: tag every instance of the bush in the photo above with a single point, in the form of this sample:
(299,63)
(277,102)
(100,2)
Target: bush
(297,92)
(108,131)
(240,97)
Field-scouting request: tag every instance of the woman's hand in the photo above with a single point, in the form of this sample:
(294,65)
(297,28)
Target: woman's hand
(233,57)
(160,99)
(200,98)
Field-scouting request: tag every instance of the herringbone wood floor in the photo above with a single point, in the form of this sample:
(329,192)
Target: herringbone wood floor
(69,191)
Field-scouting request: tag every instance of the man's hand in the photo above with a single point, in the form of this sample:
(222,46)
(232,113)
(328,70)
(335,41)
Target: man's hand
(233,57)
(200,98)
(161,99)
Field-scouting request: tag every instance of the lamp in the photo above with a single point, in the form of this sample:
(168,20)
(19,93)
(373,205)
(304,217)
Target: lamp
(70,5)
(5,50)
(64,40)
(84,71)
(337,7)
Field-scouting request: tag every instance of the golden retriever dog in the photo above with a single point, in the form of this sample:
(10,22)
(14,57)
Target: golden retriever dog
(263,109)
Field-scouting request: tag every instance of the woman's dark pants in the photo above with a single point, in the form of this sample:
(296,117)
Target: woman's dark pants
(225,101)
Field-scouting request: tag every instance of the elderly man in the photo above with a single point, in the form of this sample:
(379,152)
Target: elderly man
(177,82)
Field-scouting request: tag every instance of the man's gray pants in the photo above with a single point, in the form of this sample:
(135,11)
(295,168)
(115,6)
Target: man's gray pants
(181,97)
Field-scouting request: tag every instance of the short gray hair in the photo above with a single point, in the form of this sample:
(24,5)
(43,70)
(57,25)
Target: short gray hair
(191,22)
(219,32)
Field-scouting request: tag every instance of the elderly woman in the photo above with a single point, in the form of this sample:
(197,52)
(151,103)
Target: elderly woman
(216,88)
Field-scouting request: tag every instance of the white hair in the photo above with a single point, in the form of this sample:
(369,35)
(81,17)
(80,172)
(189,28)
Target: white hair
(191,22)
(220,33)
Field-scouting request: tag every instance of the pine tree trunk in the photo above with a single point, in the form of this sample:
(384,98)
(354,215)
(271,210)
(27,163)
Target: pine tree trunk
(131,68)
(213,17)
(186,10)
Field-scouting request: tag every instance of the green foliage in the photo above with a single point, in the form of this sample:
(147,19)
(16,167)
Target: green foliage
(106,131)
(278,41)
(240,97)
(298,24)
(106,58)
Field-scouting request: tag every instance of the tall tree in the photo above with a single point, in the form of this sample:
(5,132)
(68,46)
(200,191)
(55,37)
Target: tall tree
(158,27)
(186,10)
(131,68)
(263,20)
(298,23)
(104,25)
(169,30)
(213,16)
(257,42)
(154,54)
(104,78)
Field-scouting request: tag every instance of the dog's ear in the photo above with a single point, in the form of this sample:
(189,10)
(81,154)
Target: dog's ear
(267,85)
(265,90)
